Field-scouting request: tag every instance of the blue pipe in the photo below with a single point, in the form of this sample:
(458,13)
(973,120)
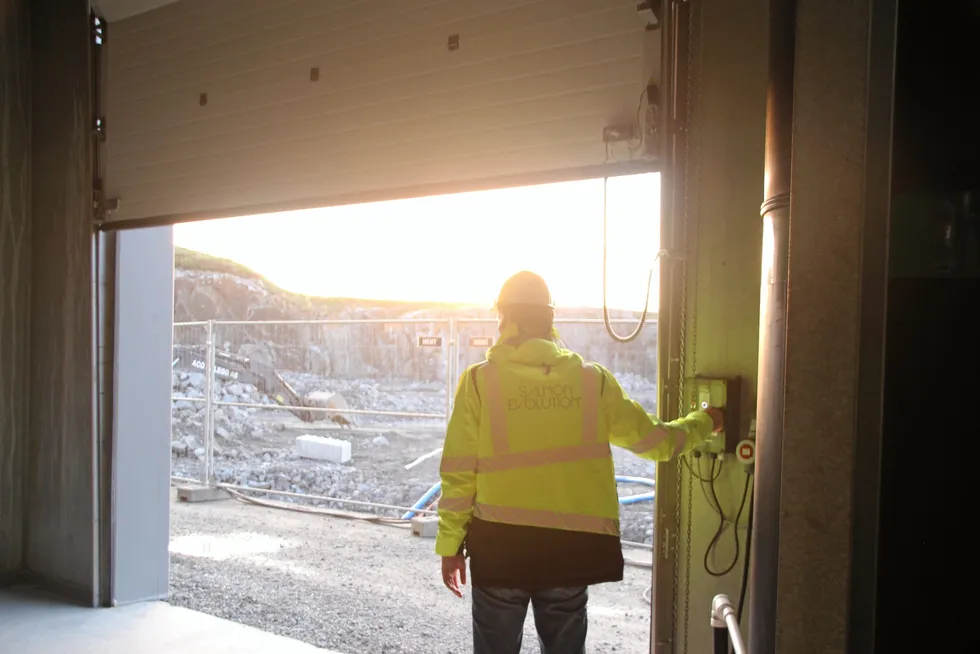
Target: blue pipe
(422,501)
(635,499)
(620,479)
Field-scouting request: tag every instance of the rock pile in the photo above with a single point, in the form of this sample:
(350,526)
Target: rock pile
(253,446)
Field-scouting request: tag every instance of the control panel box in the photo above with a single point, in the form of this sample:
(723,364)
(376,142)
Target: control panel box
(723,393)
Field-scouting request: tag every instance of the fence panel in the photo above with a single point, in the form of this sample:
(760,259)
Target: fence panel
(188,424)
(383,386)
(634,364)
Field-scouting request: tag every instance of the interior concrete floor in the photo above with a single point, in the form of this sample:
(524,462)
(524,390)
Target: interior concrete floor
(32,622)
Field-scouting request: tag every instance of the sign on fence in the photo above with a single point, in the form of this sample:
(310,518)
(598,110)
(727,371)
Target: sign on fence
(430,341)
(481,341)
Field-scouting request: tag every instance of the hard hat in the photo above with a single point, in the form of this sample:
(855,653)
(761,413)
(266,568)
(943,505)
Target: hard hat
(526,289)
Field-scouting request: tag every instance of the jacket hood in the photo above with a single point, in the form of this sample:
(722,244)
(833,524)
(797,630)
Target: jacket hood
(532,352)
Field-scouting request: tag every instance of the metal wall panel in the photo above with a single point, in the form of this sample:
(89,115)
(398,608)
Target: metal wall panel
(213,110)
(144,312)
(15,273)
(61,516)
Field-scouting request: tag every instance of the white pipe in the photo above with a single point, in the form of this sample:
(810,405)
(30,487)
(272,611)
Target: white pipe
(639,546)
(722,612)
(359,412)
(322,498)
(424,457)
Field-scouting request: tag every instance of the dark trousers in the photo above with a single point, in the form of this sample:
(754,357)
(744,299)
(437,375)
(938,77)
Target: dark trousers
(560,618)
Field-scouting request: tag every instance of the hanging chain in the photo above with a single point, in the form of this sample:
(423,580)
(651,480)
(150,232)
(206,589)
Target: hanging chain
(692,243)
(674,549)
(687,557)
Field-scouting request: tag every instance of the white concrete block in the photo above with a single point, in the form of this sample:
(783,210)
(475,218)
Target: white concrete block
(200,494)
(425,526)
(323,449)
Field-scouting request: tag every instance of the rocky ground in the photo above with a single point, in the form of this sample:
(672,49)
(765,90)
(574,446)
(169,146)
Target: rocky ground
(254,447)
(353,587)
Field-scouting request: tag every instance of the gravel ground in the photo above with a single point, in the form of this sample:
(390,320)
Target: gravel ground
(352,586)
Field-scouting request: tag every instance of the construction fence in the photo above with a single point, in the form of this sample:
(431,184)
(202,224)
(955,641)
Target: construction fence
(248,397)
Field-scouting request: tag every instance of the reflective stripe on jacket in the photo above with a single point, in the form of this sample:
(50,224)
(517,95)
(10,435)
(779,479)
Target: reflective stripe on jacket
(528,444)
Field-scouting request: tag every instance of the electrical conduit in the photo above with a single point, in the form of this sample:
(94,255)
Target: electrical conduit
(422,501)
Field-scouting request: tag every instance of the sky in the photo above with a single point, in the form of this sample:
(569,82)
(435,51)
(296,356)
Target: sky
(455,248)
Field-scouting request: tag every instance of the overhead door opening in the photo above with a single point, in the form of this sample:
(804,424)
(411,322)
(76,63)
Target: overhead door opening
(334,341)
(212,112)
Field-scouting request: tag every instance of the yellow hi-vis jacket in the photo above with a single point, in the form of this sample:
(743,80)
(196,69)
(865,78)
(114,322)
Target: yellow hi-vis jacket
(528,443)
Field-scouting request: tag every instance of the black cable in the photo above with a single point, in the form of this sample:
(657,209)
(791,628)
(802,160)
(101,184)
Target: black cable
(697,474)
(607,321)
(721,530)
(715,474)
(745,565)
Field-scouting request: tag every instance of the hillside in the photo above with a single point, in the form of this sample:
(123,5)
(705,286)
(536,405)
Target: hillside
(197,270)
(212,288)
(209,288)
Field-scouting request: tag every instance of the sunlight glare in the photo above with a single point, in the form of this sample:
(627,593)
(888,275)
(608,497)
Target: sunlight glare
(455,248)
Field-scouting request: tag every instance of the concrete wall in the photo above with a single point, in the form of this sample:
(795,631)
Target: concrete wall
(15,272)
(826,230)
(141,461)
(61,526)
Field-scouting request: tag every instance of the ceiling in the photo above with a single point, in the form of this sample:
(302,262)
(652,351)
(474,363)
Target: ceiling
(113,10)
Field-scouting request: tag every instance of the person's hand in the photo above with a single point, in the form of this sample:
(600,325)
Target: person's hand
(717,418)
(454,573)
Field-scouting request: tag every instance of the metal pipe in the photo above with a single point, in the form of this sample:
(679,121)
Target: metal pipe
(208,405)
(450,377)
(322,498)
(723,619)
(359,412)
(775,210)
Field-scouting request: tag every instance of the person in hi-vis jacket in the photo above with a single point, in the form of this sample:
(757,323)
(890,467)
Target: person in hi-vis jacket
(528,486)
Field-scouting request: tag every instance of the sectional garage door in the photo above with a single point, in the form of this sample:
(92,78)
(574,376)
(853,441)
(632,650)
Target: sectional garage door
(231,107)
